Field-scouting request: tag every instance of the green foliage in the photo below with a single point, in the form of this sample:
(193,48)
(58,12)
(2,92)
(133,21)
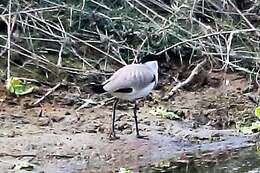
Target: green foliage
(258,149)
(164,164)
(23,165)
(164,113)
(254,127)
(257,112)
(17,87)
(125,170)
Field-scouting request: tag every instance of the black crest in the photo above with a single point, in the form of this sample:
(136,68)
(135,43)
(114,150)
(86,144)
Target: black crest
(149,57)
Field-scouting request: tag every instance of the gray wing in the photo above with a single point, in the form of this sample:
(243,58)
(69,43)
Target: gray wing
(132,76)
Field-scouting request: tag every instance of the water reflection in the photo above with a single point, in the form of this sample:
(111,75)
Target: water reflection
(235,161)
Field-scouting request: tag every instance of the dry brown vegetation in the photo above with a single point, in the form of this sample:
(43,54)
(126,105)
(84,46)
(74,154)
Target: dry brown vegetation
(50,41)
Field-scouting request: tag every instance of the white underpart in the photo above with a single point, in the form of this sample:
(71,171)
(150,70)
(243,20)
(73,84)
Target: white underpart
(137,93)
(126,77)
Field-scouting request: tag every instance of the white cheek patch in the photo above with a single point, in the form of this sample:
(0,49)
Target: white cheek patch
(153,65)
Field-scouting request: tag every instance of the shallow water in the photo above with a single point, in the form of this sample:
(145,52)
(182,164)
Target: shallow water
(245,160)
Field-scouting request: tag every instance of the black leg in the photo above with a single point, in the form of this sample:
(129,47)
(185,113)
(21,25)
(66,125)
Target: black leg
(136,123)
(112,135)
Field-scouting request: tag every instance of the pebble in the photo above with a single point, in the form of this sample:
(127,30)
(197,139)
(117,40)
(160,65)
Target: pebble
(43,121)
(159,123)
(147,122)
(123,125)
(127,132)
(67,113)
(57,118)
(92,128)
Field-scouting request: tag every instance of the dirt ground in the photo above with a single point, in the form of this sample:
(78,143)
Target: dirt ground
(54,137)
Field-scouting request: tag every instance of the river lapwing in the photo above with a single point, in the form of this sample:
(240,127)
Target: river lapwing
(131,83)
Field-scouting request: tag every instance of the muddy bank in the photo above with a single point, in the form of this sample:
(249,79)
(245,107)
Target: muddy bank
(56,138)
(94,153)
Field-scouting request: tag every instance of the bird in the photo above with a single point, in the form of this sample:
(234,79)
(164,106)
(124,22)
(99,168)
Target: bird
(131,82)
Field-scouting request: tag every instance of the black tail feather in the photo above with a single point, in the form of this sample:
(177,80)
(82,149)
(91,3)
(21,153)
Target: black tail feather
(97,88)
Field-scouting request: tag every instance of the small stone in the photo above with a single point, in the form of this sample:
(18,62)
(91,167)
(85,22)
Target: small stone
(67,113)
(147,122)
(11,134)
(92,128)
(71,119)
(57,118)
(127,132)
(90,147)
(159,123)
(161,129)
(121,117)
(101,129)
(123,125)
(43,121)
(31,147)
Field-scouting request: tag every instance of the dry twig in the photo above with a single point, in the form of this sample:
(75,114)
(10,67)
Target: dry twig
(194,72)
(9,41)
(48,93)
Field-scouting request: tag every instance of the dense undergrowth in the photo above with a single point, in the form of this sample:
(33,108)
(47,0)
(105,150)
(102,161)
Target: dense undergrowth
(56,40)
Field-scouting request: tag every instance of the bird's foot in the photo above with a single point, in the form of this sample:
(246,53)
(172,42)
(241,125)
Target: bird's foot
(142,137)
(112,136)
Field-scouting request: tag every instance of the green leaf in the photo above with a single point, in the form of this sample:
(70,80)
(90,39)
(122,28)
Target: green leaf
(255,127)
(246,130)
(257,112)
(164,113)
(11,89)
(164,164)
(125,170)
(23,165)
(17,87)
(258,149)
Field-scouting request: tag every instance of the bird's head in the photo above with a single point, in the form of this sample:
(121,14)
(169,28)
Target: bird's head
(151,61)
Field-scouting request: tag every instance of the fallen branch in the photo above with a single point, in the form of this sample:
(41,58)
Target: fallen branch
(17,155)
(35,155)
(87,103)
(195,71)
(90,103)
(48,93)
